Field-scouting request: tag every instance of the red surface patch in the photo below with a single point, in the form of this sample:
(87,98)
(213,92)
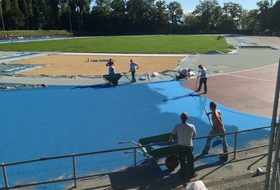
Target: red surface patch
(251,91)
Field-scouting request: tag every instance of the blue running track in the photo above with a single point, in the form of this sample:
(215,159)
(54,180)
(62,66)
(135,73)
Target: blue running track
(60,120)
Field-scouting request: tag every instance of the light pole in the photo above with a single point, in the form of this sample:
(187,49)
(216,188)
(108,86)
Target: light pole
(70,21)
(3,24)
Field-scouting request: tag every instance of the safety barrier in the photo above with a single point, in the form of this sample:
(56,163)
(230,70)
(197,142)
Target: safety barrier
(135,150)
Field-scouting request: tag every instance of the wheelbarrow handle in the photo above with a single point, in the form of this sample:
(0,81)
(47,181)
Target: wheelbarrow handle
(130,141)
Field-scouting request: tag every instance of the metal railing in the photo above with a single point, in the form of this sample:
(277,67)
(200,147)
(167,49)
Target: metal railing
(135,150)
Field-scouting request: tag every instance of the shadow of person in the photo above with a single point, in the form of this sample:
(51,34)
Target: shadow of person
(146,178)
(212,167)
(99,86)
(200,156)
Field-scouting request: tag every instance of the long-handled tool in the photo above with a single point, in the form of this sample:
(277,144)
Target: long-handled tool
(124,74)
(196,84)
(194,93)
(195,88)
(218,140)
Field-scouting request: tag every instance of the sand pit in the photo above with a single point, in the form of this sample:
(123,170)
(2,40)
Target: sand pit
(70,65)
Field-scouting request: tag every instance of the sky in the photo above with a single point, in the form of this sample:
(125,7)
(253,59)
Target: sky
(189,5)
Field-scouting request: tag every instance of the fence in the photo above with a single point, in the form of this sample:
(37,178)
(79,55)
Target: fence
(135,150)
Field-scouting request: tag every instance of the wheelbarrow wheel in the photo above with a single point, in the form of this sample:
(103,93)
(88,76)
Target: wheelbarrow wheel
(172,162)
(115,82)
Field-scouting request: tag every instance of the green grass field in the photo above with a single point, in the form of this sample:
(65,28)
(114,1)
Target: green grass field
(125,44)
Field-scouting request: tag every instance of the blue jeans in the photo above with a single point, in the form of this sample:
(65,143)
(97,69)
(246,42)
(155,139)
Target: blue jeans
(209,139)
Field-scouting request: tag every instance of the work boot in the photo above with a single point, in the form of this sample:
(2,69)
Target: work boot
(193,175)
(204,153)
(224,158)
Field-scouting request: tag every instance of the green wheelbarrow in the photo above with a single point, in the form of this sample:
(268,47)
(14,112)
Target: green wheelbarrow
(158,147)
(112,79)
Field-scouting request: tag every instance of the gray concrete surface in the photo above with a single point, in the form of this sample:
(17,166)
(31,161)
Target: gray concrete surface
(239,173)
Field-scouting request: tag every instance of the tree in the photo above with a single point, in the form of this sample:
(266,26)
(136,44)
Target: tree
(232,10)
(265,14)
(101,15)
(275,17)
(243,19)
(14,18)
(118,11)
(54,4)
(148,12)
(46,19)
(191,23)
(36,20)
(205,13)
(217,19)
(175,12)
(26,7)
(227,25)
(80,10)
(252,20)
(136,14)
(160,17)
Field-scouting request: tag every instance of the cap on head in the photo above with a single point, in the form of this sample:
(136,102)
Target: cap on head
(199,66)
(184,116)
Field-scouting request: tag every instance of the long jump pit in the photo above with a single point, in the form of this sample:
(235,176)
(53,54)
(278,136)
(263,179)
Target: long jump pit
(88,68)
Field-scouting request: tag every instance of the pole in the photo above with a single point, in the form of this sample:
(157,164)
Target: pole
(272,132)
(275,163)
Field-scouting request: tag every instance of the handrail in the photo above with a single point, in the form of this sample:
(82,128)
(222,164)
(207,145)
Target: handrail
(65,156)
(134,148)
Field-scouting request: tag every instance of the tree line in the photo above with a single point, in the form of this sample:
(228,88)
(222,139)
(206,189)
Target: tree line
(125,17)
